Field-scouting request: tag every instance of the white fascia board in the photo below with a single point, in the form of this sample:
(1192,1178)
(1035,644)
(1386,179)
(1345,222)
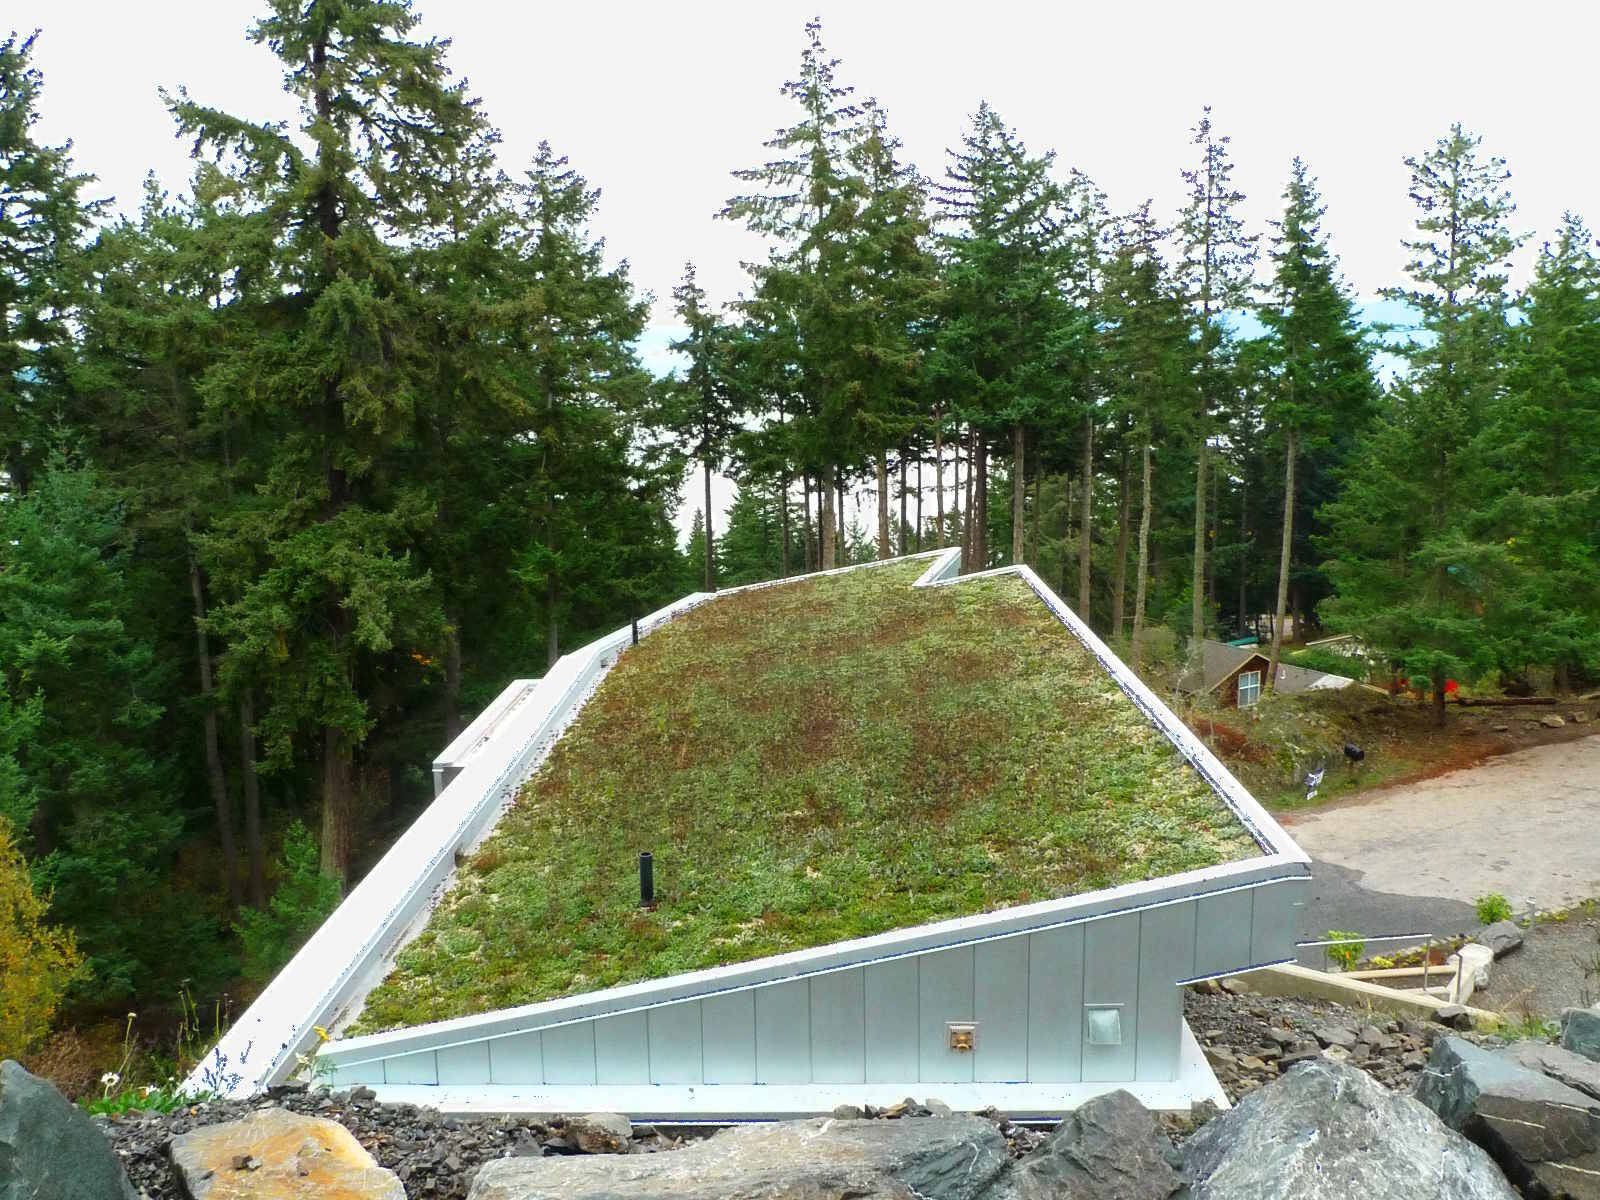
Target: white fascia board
(483,727)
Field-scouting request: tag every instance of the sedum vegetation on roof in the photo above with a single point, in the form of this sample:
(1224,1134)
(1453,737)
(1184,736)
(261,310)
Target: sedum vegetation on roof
(815,761)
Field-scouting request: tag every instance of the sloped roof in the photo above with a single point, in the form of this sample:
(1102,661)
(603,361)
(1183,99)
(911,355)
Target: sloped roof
(819,760)
(1220,660)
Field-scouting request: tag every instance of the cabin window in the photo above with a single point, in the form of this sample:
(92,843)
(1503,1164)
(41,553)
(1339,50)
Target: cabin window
(1249,688)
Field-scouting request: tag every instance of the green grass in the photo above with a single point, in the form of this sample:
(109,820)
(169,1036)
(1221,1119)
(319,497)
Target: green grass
(811,762)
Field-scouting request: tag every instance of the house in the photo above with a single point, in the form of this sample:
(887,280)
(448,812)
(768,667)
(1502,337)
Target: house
(834,928)
(1234,675)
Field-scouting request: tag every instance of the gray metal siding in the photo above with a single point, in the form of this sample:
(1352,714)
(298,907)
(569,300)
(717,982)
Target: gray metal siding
(888,1022)
(1055,1005)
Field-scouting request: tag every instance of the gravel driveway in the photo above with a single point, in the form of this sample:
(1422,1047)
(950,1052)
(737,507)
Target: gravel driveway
(1413,858)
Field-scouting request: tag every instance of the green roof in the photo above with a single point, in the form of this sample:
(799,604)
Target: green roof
(819,760)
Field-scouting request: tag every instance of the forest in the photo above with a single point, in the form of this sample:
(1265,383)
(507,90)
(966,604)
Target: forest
(303,462)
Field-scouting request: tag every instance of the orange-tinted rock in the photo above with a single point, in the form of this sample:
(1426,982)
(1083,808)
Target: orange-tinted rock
(279,1154)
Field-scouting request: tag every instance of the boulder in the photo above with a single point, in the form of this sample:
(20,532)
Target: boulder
(49,1149)
(1109,1149)
(1329,1132)
(1544,1134)
(939,1158)
(1454,1015)
(274,1152)
(1552,721)
(1564,1066)
(601,1133)
(1474,962)
(1502,937)
(1580,1032)
(1335,1035)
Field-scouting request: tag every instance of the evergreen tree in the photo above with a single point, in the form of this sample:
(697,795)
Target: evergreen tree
(751,549)
(1319,365)
(808,200)
(331,372)
(1216,271)
(1009,334)
(42,218)
(704,407)
(1415,568)
(1543,449)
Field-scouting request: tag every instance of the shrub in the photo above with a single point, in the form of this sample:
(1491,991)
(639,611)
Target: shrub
(303,899)
(1347,950)
(1493,907)
(1328,662)
(37,961)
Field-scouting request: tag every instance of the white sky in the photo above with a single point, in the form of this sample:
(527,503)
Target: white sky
(656,103)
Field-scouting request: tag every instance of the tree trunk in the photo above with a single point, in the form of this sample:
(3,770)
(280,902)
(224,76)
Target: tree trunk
(844,541)
(338,804)
(1244,542)
(883,505)
(711,558)
(1144,561)
(919,500)
(1119,578)
(825,520)
(219,784)
(552,633)
(1033,520)
(980,522)
(1019,491)
(1198,583)
(938,477)
(1085,538)
(806,550)
(1283,558)
(254,848)
(900,534)
(783,513)
(452,682)
(1438,704)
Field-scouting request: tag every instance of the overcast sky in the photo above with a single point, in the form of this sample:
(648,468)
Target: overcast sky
(656,103)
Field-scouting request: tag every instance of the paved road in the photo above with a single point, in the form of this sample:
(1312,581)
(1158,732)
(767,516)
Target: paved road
(1413,858)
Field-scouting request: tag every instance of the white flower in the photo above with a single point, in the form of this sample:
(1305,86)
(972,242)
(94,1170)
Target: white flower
(111,1079)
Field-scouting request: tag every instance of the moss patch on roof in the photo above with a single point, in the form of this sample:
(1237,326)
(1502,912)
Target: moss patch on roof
(812,762)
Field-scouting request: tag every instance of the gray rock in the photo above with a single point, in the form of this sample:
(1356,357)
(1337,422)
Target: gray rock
(1552,721)
(1544,1134)
(1580,1032)
(601,1133)
(1329,1132)
(1109,1149)
(1455,1016)
(940,1158)
(1335,1035)
(49,1149)
(847,1112)
(1564,1066)
(1502,937)
(283,1154)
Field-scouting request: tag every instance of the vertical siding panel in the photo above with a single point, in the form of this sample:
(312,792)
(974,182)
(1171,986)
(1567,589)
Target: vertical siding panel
(674,1032)
(519,1059)
(1166,955)
(466,1064)
(944,994)
(1277,913)
(783,1033)
(728,1037)
(622,1049)
(838,1027)
(1111,976)
(1055,1005)
(1000,1006)
(1222,933)
(568,1053)
(892,1032)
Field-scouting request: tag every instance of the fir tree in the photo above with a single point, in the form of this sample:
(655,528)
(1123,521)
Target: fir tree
(42,219)
(1319,365)
(1415,569)
(1216,270)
